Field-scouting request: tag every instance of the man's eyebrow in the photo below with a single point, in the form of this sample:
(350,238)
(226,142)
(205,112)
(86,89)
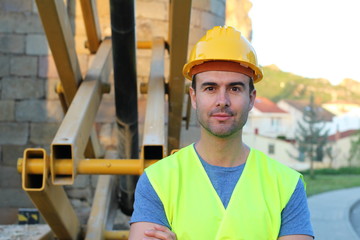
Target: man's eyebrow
(204,84)
(237,83)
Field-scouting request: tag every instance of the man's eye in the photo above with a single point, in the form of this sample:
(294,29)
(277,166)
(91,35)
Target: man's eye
(209,89)
(235,89)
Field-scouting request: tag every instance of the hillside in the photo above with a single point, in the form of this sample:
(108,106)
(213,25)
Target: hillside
(278,85)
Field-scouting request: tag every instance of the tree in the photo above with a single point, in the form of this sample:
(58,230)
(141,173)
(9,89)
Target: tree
(311,136)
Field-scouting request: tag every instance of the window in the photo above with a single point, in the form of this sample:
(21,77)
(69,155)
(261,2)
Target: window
(271,149)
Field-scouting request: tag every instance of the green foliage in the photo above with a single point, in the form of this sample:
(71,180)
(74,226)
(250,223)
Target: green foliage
(284,85)
(333,171)
(324,183)
(329,179)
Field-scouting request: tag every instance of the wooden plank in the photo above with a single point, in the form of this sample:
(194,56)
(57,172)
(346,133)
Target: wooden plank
(91,22)
(178,38)
(72,136)
(61,41)
(153,146)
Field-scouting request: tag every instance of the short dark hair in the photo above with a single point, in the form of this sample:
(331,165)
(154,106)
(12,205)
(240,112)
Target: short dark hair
(251,83)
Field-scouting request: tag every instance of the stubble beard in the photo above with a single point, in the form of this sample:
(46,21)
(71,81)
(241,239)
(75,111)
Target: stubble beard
(223,130)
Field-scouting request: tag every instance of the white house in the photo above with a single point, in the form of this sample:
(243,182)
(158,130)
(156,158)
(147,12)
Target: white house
(267,119)
(277,149)
(340,144)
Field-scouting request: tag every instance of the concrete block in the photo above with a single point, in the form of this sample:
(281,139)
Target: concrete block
(23,88)
(15,198)
(38,111)
(47,67)
(219,21)
(12,43)
(13,133)
(4,65)
(152,10)
(30,23)
(23,65)
(16,6)
(218,8)
(11,154)
(194,36)
(202,4)
(7,110)
(207,20)
(37,44)
(195,18)
(10,177)
(31,110)
(43,133)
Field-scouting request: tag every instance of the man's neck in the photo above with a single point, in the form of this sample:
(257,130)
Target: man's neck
(224,152)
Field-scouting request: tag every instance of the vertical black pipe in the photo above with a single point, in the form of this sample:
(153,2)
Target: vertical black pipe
(124,58)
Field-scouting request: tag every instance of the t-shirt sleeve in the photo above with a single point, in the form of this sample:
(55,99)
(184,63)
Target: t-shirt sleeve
(148,206)
(295,217)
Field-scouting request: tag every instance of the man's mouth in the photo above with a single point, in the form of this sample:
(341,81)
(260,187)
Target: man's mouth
(221,116)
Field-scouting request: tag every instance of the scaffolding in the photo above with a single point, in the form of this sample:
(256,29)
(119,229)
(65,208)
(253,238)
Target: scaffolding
(75,148)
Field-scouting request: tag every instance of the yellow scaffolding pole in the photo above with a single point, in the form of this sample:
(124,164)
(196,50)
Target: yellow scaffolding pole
(85,166)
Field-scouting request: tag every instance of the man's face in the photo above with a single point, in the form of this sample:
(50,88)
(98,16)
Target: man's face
(222,101)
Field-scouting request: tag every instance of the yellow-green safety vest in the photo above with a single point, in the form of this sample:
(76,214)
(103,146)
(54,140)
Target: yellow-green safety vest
(195,211)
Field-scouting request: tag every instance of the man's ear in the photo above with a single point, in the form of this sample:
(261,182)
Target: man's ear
(252,99)
(192,93)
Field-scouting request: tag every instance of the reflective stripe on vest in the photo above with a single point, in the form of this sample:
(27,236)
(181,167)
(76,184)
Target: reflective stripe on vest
(195,211)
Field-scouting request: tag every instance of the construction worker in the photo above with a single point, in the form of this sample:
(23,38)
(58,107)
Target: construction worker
(218,187)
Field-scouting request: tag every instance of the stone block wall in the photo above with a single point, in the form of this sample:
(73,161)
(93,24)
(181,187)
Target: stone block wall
(30,112)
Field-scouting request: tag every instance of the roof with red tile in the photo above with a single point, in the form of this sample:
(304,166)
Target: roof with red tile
(267,106)
(341,135)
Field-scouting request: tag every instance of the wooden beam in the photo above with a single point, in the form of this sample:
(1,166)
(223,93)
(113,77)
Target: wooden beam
(153,146)
(72,136)
(178,38)
(61,41)
(91,22)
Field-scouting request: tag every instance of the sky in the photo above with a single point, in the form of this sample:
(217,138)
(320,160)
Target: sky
(310,38)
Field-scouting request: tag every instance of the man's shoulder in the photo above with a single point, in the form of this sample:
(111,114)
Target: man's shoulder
(265,159)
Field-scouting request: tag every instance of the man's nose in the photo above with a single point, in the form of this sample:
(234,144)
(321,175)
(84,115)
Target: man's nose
(223,99)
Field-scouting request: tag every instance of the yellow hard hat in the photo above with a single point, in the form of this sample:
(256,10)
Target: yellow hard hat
(224,44)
